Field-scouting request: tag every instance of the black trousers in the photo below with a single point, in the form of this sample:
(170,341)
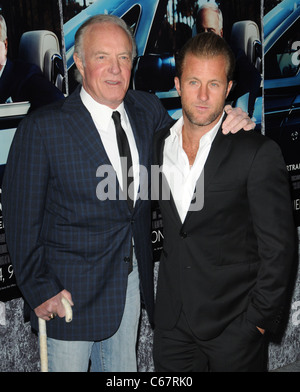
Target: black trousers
(239,348)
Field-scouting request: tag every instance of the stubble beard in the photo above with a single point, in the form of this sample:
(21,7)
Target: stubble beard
(192,118)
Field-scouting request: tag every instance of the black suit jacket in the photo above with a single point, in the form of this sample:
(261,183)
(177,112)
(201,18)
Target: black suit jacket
(234,255)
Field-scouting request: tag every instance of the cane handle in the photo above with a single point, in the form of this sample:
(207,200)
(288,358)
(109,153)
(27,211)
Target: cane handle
(68,310)
(43,334)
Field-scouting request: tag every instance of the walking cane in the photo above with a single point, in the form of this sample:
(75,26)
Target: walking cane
(43,334)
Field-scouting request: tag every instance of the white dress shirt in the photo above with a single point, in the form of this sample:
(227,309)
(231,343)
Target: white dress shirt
(180,175)
(101,115)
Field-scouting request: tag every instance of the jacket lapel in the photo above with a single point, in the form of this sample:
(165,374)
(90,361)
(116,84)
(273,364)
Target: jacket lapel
(218,151)
(136,116)
(140,129)
(83,130)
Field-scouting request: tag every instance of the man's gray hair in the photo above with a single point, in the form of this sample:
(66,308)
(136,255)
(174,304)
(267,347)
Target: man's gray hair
(100,19)
(3,30)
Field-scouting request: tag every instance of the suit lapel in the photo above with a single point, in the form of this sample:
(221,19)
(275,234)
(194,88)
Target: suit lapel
(136,116)
(219,149)
(217,153)
(139,128)
(83,130)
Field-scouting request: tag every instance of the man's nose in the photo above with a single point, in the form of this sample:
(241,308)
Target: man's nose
(115,66)
(203,93)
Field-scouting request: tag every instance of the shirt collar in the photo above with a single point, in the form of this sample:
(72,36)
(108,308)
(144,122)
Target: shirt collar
(101,114)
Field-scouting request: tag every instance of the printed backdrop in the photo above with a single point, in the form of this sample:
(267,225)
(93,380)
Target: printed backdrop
(161,27)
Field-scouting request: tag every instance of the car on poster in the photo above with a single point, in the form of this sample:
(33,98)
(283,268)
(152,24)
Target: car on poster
(161,27)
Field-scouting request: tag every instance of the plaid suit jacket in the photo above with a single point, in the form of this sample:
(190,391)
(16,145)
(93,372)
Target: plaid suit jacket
(59,234)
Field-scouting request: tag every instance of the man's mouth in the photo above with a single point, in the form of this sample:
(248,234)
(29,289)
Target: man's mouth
(202,108)
(112,82)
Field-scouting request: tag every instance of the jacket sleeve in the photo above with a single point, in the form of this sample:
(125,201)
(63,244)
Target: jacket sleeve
(272,214)
(24,195)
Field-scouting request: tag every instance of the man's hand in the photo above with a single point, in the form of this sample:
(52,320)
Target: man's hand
(236,120)
(53,306)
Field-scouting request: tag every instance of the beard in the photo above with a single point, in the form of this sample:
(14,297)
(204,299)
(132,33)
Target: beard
(207,120)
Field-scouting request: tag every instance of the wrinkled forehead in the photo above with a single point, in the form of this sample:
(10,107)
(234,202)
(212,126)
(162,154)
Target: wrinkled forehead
(106,29)
(107,35)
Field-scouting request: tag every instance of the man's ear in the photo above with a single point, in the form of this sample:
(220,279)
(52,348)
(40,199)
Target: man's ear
(177,85)
(229,88)
(79,63)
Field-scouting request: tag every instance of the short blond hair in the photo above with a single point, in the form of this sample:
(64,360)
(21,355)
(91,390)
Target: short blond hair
(206,45)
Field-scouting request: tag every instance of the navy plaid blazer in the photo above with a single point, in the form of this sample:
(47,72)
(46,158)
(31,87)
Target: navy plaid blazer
(59,234)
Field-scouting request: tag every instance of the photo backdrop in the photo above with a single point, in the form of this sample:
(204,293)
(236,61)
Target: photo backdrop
(160,27)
